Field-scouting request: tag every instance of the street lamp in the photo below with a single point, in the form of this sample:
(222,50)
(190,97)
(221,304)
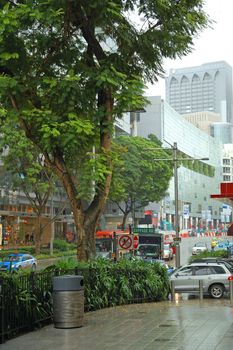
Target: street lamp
(174,159)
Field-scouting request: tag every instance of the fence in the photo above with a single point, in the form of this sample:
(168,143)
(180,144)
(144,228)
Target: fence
(200,291)
(26,299)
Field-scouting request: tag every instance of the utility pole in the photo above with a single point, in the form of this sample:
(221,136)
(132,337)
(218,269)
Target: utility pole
(176,194)
(174,159)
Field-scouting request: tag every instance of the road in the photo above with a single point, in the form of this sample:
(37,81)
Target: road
(185,251)
(187,244)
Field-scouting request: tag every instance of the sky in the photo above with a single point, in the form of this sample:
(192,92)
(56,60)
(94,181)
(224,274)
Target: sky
(212,45)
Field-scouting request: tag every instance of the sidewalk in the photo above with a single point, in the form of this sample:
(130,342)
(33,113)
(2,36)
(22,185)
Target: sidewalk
(183,325)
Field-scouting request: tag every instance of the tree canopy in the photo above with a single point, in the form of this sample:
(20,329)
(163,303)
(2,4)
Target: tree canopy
(138,178)
(69,68)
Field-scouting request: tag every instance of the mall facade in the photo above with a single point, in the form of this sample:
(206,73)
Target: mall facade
(196,209)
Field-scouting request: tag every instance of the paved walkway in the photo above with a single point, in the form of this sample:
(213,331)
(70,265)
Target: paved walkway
(183,325)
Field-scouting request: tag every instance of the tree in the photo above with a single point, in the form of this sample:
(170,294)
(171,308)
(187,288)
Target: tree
(25,172)
(69,68)
(138,179)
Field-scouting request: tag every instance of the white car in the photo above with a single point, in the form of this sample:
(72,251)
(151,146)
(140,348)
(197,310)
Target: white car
(215,277)
(199,247)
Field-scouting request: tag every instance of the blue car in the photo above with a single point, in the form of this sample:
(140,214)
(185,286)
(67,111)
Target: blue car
(17,262)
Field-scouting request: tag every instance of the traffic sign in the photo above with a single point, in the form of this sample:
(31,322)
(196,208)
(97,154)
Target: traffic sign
(125,242)
(135,242)
(177,239)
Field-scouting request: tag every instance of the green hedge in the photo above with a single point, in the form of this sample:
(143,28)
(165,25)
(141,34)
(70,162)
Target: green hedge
(221,253)
(110,284)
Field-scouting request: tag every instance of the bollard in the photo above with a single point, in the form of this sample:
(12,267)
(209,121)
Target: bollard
(172,291)
(201,289)
(231,291)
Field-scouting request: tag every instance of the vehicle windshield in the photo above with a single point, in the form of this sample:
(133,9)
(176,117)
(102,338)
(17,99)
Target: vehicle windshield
(12,258)
(166,247)
(146,250)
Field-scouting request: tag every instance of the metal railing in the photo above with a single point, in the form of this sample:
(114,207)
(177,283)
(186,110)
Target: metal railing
(26,300)
(200,291)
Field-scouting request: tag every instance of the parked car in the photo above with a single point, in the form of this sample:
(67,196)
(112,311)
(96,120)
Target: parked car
(19,261)
(199,247)
(215,277)
(167,253)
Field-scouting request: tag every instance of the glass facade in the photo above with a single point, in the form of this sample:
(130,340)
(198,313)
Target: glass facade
(194,188)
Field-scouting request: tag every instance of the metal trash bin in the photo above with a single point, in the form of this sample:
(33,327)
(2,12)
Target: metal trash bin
(68,301)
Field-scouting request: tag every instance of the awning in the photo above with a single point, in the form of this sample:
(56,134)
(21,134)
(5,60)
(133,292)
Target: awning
(226,193)
(226,196)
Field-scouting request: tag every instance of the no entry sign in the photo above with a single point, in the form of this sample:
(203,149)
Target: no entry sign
(135,242)
(125,242)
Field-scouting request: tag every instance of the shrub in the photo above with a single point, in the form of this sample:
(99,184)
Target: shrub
(221,253)
(61,245)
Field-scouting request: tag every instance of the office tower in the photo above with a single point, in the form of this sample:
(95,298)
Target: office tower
(202,88)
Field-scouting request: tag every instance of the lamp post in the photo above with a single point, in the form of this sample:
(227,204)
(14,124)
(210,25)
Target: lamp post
(174,159)
(176,194)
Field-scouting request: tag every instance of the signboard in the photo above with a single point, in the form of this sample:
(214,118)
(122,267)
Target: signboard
(125,241)
(186,211)
(176,240)
(145,230)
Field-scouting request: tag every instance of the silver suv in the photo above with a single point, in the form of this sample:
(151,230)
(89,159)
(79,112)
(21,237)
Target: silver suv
(215,276)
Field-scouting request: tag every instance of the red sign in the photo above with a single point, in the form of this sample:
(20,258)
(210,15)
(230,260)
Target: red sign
(135,242)
(125,242)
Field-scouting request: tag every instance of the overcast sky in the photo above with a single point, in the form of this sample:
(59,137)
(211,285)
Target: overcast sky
(214,44)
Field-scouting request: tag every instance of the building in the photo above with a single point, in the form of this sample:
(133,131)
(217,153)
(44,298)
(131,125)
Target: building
(203,120)
(211,123)
(194,186)
(227,163)
(222,132)
(207,87)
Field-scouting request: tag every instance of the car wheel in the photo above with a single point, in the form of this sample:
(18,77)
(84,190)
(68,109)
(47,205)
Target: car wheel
(216,291)
(34,267)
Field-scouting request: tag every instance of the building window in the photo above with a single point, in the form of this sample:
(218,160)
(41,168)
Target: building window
(226,161)
(226,178)
(227,170)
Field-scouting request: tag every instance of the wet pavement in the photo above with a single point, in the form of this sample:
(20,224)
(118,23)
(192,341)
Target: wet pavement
(182,324)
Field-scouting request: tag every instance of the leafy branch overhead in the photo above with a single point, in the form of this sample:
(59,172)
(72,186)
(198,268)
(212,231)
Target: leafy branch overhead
(69,68)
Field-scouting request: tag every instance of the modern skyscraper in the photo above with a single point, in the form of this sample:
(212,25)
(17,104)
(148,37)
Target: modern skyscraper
(202,88)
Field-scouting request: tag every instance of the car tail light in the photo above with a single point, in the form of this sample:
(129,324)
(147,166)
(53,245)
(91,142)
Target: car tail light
(230,278)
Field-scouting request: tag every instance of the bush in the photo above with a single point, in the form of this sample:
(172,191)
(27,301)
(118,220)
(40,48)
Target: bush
(221,253)
(123,282)
(61,245)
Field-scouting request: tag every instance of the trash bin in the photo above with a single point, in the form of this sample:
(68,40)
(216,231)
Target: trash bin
(68,301)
